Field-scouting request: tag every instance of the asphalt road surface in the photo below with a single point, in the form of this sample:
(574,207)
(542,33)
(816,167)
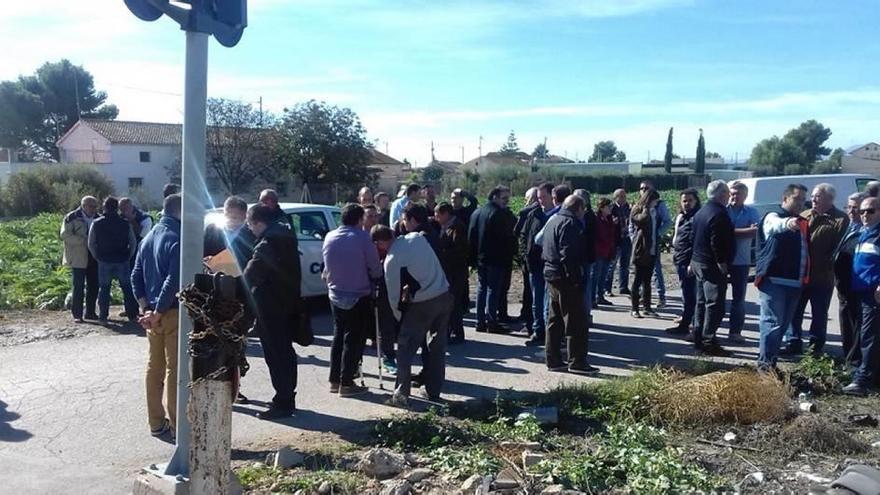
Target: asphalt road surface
(72,412)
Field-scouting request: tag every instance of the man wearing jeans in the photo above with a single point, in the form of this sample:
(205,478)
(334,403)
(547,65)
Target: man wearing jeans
(156,280)
(827,227)
(75,235)
(866,283)
(745,224)
(713,248)
(490,235)
(664,221)
(781,271)
(547,206)
(621,210)
(351,265)
(112,243)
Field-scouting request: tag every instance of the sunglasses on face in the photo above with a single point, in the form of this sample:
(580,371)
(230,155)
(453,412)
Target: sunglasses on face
(867,211)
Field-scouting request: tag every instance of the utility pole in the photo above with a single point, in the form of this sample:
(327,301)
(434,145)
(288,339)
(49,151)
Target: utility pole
(479,153)
(261,111)
(203,449)
(462,154)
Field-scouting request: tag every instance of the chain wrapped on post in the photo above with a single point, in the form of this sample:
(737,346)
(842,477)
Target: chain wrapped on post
(220,323)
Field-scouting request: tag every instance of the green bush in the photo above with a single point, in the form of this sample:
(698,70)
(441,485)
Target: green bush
(632,457)
(31,274)
(53,189)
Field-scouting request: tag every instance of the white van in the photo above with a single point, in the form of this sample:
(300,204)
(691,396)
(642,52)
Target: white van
(766,192)
(311,223)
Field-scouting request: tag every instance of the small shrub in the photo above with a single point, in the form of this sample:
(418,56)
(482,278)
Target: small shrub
(811,433)
(463,462)
(820,372)
(422,431)
(264,478)
(54,189)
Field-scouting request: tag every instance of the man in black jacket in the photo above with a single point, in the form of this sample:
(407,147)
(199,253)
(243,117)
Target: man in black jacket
(520,233)
(273,275)
(490,235)
(849,303)
(269,197)
(112,243)
(564,253)
(713,250)
(233,235)
(461,211)
(453,254)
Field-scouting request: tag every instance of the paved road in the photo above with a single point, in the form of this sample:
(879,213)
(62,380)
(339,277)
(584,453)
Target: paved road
(72,412)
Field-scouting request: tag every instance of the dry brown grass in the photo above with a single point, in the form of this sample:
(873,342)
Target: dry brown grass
(742,396)
(813,433)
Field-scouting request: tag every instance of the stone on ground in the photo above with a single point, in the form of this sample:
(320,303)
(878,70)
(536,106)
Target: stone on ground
(418,474)
(381,463)
(287,458)
(396,487)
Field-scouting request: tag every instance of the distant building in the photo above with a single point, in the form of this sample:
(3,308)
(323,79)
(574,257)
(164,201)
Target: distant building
(391,172)
(862,159)
(139,158)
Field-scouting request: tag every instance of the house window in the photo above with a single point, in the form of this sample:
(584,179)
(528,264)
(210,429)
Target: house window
(281,188)
(145,157)
(135,183)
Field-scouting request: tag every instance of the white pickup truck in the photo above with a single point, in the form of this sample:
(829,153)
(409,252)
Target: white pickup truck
(311,223)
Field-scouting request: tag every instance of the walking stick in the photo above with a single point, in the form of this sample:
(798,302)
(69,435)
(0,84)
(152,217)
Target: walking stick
(378,337)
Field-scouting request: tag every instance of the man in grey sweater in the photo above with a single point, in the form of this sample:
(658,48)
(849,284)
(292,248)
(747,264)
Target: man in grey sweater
(420,299)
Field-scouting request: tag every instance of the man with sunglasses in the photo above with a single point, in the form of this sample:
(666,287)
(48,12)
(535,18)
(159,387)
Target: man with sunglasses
(849,302)
(827,227)
(866,283)
(782,269)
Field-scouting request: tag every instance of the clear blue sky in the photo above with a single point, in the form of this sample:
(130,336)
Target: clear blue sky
(450,71)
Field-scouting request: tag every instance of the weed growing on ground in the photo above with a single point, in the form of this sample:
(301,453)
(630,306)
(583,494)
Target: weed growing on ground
(633,456)
(262,477)
(820,372)
(463,462)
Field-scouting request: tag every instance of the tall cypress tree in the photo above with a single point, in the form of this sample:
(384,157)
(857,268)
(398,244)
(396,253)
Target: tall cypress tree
(668,158)
(700,166)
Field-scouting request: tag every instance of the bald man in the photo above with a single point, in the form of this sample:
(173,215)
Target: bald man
(75,234)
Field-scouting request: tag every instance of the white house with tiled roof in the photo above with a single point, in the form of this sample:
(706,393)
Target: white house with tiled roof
(135,156)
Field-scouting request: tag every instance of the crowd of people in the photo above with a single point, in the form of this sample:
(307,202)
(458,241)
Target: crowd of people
(397,273)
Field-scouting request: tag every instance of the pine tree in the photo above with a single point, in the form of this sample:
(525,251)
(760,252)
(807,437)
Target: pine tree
(668,158)
(700,165)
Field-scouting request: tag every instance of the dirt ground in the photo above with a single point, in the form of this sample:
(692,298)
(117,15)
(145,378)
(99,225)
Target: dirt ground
(25,326)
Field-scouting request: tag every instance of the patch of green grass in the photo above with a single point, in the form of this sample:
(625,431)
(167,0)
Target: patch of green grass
(618,399)
(262,477)
(631,456)
(462,462)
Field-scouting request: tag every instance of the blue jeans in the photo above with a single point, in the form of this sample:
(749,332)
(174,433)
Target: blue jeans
(600,275)
(866,373)
(121,272)
(688,294)
(538,304)
(588,288)
(623,257)
(489,287)
(658,278)
(778,304)
(739,280)
(819,299)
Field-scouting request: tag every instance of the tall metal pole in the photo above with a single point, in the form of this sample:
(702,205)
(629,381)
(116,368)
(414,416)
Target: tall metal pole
(192,225)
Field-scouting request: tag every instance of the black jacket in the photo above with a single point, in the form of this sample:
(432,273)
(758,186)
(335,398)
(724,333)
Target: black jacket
(241,244)
(714,242)
(521,228)
(683,245)
(112,238)
(464,213)
(564,252)
(490,235)
(843,259)
(273,275)
(534,223)
(452,251)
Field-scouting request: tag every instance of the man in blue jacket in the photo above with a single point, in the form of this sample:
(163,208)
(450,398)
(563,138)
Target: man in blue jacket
(156,280)
(866,283)
(782,269)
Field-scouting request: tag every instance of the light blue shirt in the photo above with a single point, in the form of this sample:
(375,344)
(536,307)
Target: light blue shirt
(397,210)
(743,217)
